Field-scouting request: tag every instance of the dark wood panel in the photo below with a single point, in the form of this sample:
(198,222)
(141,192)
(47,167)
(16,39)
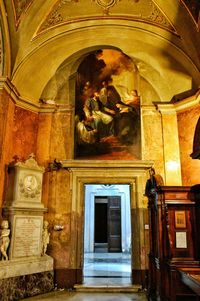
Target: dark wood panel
(114,224)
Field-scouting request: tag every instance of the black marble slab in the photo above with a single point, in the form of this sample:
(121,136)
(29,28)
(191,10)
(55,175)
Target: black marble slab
(17,288)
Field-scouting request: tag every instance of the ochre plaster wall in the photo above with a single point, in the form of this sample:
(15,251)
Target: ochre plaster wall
(187,121)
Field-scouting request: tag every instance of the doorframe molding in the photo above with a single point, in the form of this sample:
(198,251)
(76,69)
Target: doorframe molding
(134,173)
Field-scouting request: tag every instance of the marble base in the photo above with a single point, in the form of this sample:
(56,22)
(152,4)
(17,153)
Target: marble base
(17,288)
(22,278)
(25,266)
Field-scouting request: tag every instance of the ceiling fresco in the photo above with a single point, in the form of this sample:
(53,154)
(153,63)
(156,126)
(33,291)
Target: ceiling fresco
(78,10)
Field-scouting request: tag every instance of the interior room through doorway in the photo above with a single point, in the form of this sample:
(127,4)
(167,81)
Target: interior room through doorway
(107,234)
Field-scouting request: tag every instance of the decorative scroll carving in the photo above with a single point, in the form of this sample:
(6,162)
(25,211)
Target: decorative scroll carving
(152,13)
(55,17)
(157,16)
(20,6)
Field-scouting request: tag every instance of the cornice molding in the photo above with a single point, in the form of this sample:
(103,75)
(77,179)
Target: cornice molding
(139,164)
(27,104)
(189,102)
(166,108)
(172,108)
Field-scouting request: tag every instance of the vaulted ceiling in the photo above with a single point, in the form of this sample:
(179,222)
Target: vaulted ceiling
(161,36)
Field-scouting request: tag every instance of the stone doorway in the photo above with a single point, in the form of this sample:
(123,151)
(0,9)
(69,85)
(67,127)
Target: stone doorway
(133,173)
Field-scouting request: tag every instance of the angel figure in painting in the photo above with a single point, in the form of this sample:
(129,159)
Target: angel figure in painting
(132,99)
(4,239)
(45,237)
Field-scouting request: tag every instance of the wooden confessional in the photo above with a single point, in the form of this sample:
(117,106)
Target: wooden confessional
(174,217)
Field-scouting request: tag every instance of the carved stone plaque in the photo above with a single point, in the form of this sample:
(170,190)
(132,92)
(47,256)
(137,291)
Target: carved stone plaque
(27,235)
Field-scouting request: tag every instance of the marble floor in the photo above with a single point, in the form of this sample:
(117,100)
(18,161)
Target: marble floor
(107,269)
(74,296)
(104,271)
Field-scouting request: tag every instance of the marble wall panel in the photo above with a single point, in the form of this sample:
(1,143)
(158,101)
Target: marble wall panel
(141,238)
(25,133)
(187,121)
(59,214)
(43,138)
(171,148)
(152,140)
(62,140)
(6,124)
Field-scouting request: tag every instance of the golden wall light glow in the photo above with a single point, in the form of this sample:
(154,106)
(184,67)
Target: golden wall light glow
(172,165)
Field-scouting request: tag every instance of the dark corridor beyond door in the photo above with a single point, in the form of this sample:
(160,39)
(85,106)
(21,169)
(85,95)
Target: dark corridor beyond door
(107,224)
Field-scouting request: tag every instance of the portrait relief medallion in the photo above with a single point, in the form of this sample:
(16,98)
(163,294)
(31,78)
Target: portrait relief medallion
(30,183)
(30,186)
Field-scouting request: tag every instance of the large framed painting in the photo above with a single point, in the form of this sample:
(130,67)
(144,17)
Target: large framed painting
(107,107)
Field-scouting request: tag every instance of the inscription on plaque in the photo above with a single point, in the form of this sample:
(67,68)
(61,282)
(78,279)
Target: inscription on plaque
(27,236)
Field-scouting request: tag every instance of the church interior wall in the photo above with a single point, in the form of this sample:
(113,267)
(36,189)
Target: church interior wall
(187,120)
(47,62)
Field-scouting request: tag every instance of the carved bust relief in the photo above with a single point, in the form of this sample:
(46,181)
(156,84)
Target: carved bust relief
(30,185)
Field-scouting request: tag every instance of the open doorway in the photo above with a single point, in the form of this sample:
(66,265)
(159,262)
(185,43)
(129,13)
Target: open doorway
(107,234)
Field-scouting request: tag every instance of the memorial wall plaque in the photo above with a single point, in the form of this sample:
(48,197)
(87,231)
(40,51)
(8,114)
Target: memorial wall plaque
(24,208)
(27,236)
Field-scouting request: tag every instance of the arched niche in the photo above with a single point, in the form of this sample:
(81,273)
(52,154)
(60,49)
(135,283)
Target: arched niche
(61,86)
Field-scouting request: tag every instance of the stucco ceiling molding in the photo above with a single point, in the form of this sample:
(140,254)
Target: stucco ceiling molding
(59,14)
(20,7)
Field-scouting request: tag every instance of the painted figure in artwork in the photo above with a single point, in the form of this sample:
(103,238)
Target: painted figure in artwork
(132,99)
(4,239)
(45,237)
(102,121)
(86,134)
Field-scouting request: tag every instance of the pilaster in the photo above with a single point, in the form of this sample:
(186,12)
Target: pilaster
(171,151)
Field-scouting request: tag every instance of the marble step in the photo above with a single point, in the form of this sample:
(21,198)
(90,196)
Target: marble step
(134,288)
